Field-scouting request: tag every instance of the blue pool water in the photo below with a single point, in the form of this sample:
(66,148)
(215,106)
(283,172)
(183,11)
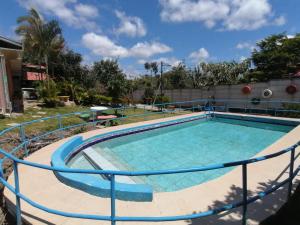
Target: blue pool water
(192,144)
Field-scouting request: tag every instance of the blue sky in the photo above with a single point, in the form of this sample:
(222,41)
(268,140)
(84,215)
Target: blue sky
(135,31)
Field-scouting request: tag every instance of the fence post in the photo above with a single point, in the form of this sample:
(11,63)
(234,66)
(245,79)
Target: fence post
(60,126)
(291,172)
(93,116)
(17,190)
(123,109)
(245,190)
(23,139)
(112,199)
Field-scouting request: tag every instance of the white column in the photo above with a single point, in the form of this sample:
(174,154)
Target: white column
(5,103)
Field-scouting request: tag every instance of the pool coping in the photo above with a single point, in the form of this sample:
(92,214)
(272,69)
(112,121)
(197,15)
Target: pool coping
(124,191)
(183,198)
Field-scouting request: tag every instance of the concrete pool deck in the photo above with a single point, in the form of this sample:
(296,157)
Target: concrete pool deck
(43,187)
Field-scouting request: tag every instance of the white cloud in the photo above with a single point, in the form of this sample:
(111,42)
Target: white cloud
(86,10)
(103,46)
(130,26)
(131,72)
(142,61)
(243,58)
(248,15)
(199,55)
(207,11)
(173,61)
(245,45)
(228,14)
(146,49)
(69,11)
(279,21)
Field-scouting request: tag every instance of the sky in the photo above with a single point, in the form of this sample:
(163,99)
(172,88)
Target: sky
(172,31)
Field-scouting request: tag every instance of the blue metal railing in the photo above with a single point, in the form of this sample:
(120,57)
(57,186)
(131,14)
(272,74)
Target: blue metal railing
(112,174)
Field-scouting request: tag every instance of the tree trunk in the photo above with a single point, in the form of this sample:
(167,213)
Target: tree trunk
(47,70)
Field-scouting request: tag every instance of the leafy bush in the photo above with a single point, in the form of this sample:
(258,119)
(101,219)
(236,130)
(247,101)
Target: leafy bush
(295,107)
(47,91)
(91,98)
(126,100)
(148,94)
(101,99)
(162,99)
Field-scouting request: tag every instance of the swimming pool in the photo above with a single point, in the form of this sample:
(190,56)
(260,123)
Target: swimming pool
(191,143)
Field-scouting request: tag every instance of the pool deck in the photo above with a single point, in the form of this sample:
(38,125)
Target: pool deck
(43,187)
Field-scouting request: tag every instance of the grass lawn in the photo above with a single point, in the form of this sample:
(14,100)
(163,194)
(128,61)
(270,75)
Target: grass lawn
(51,124)
(34,114)
(11,139)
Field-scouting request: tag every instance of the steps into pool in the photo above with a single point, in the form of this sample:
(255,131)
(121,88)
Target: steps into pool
(99,162)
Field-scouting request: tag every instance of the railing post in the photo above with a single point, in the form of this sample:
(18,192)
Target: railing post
(245,190)
(17,190)
(23,139)
(60,126)
(93,116)
(291,172)
(123,109)
(112,199)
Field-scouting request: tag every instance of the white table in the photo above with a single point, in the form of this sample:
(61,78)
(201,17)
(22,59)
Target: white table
(98,108)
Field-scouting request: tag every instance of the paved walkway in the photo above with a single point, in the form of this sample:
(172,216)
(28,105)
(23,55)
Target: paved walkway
(43,187)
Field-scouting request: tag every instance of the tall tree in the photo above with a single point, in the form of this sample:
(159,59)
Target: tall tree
(152,67)
(110,76)
(67,66)
(277,57)
(177,78)
(41,39)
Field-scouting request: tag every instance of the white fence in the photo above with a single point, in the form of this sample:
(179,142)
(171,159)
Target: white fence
(233,92)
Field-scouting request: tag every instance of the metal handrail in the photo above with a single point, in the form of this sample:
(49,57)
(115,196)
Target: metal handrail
(111,174)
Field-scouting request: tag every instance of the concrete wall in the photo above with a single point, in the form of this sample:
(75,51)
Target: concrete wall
(233,92)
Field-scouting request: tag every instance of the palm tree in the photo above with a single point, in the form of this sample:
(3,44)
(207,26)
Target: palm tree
(147,66)
(41,39)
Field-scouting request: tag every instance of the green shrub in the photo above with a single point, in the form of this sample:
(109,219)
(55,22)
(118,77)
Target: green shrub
(162,99)
(47,91)
(101,99)
(89,98)
(79,130)
(148,94)
(289,106)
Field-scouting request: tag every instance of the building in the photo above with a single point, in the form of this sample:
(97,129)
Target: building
(33,73)
(10,76)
